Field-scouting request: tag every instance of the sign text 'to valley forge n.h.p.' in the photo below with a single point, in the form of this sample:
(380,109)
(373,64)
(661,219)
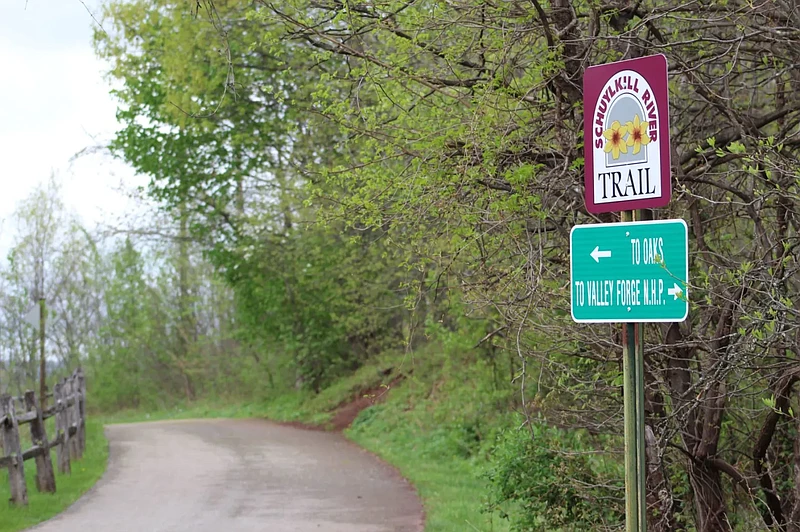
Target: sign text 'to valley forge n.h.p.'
(626,135)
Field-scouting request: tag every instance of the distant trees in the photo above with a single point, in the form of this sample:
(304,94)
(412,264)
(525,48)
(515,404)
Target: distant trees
(50,258)
(144,316)
(441,142)
(167,332)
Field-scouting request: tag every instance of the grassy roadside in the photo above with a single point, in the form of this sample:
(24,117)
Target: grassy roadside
(43,506)
(434,415)
(452,489)
(437,426)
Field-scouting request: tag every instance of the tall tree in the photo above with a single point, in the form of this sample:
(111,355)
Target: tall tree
(237,173)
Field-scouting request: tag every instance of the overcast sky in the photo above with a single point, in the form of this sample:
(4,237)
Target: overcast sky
(55,103)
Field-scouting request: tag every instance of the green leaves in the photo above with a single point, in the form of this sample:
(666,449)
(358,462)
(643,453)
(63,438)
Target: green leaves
(547,473)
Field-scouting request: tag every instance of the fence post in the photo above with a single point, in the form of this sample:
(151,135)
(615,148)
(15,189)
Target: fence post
(45,478)
(81,410)
(74,417)
(68,419)
(62,427)
(11,446)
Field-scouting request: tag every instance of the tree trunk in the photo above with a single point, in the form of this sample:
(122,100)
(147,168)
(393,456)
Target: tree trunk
(185,317)
(794,518)
(42,359)
(660,505)
(708,499)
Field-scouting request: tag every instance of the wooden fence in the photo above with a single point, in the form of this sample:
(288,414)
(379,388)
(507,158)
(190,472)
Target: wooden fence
(69,409)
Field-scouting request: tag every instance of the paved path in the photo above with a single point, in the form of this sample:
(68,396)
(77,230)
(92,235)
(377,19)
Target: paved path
(239,476)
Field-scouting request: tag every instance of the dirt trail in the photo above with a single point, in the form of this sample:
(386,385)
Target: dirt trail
(240,476)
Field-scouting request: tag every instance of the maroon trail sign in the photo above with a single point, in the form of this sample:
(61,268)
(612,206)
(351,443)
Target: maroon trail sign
(626,135)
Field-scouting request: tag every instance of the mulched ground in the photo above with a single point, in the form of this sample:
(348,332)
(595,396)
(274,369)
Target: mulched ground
(346,413)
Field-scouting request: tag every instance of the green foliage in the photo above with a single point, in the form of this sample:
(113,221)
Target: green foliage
(554,481)
(115,364)
(306,299)
(168,332)
(233,157)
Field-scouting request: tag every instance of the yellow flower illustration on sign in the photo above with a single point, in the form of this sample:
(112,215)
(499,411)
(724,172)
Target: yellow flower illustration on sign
(637,134)
(614,142)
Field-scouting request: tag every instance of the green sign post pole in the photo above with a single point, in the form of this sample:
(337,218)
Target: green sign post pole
(641,446)
(633,401)
(633,477)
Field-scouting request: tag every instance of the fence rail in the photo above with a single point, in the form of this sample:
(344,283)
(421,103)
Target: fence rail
(69,410)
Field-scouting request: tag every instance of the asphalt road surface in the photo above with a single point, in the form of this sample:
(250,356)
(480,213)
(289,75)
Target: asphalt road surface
(240,476)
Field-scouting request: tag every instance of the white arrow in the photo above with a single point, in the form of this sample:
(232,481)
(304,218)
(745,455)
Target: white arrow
(597,254)
(675,291)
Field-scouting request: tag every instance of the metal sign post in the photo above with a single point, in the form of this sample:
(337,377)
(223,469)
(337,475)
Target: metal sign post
(641,446)
(633,405)
(42,359)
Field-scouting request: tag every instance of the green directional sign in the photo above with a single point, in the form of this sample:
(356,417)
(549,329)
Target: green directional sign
(629,272)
